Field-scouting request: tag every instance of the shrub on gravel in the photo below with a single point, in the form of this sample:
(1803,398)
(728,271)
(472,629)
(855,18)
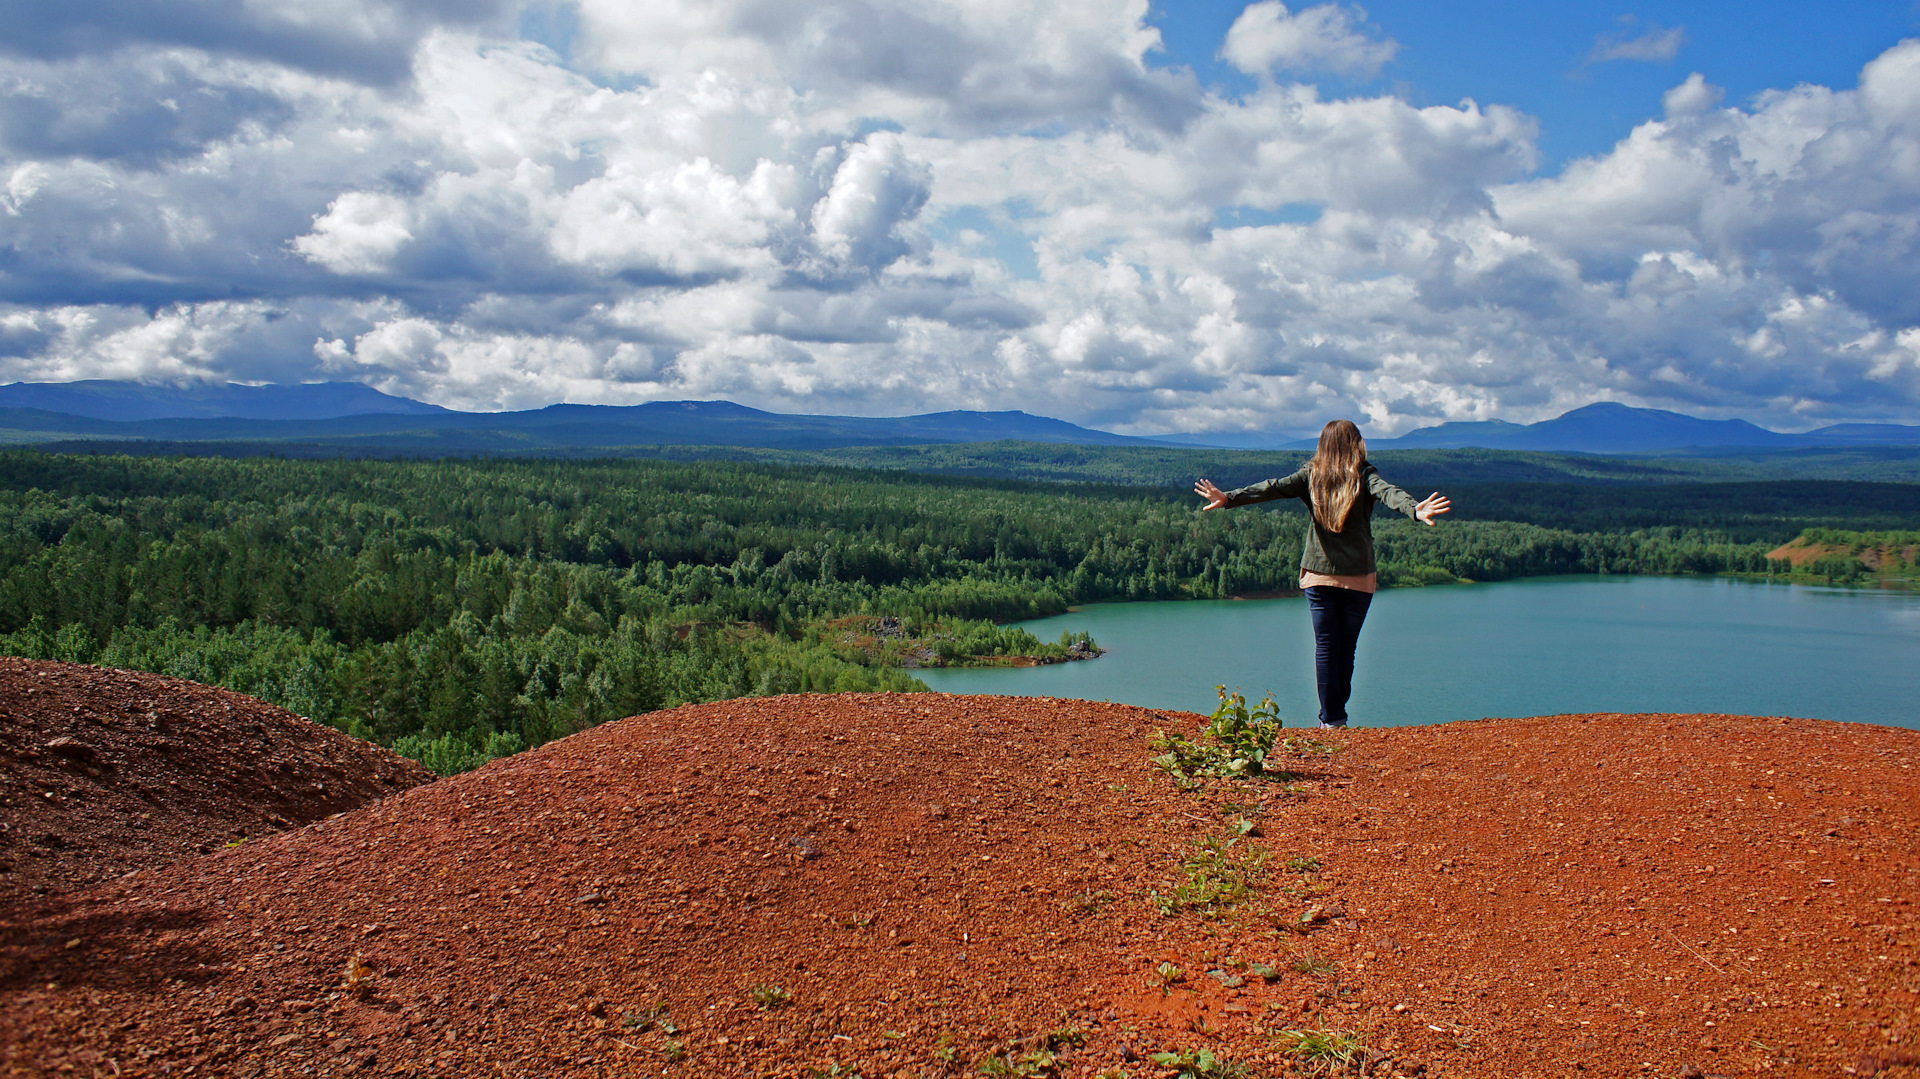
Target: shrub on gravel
(1236,741)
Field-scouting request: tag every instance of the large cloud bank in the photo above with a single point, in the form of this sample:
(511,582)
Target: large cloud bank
(880,207)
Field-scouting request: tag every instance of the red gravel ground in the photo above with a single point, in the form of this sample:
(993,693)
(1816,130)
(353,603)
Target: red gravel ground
(103,772)
(932,885)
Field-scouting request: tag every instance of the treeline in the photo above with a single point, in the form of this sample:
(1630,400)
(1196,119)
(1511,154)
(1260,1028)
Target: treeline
(1175,468)
(461,609)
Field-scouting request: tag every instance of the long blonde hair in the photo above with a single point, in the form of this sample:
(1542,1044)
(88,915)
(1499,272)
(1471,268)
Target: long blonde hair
(1333,476)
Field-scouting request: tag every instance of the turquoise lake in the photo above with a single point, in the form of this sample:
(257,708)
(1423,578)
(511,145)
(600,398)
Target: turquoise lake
(1516,648)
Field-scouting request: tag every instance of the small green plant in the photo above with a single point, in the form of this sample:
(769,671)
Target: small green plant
(1030,1057)
(1221,875)
(856,920)
(1166,975)
(1235,742)
(1314,917)
(835,1071)
(1325,1052)
(1200,1064)
(675,1049)
(1090,902)
(643,1020)
(770,997)
(1303,863)
(1308,963)
(944,1050)
(1024,1065)
(1306,744)
(1071,1034)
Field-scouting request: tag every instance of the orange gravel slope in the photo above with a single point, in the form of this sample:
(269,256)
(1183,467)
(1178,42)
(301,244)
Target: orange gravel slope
(932,885)
(105,771)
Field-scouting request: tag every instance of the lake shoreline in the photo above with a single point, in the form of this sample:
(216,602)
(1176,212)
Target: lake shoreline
(1532,646)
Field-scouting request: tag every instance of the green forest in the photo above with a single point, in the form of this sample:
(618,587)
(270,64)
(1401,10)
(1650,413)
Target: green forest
(458,610)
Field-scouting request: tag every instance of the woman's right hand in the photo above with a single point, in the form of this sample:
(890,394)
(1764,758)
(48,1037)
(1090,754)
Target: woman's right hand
(1216,498)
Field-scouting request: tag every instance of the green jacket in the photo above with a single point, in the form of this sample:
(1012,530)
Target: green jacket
(1344,553)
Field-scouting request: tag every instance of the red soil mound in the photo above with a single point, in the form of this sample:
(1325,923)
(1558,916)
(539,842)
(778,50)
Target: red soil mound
(896,885)
(103,772)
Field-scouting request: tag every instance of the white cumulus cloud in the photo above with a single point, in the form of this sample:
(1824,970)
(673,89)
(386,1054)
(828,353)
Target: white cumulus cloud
(360,233)
(876,189)
(1696,95)
(1325,37)
(1652,43)
(875,206)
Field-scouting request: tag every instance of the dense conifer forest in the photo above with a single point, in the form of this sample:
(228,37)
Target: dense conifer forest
(460,610)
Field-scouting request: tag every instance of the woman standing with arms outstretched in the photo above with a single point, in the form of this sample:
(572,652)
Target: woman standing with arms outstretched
(1337,569)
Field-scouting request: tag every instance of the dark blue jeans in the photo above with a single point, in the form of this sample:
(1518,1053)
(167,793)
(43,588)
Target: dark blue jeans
(1338,614)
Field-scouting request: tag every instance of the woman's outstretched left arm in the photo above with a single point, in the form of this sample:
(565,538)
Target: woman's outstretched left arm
(1423,511)
(1215,497)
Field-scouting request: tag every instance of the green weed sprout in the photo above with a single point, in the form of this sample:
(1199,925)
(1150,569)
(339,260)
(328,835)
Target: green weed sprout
(1324,1051)
(1200,1064)
(770,997)
(1215,878)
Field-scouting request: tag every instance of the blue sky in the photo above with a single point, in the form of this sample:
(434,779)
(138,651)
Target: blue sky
(1205,217)
(1539,57)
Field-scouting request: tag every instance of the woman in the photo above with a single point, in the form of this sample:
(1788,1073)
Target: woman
(1336,566)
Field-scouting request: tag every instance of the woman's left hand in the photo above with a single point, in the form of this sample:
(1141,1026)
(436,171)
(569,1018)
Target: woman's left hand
(1215,497)
(1430,507)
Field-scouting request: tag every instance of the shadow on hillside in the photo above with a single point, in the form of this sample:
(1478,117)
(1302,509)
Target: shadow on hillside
(115,949)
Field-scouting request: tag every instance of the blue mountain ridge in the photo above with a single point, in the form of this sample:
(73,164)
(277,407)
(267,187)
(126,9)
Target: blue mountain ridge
(556,427)
(103,399)
(1612,428)
(349,414)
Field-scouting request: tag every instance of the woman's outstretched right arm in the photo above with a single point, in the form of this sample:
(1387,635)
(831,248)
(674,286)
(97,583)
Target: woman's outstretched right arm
(1294,486)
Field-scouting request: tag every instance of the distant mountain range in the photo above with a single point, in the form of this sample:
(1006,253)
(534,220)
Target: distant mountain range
(100,399)
(1609,428)
(311,415)
(352,418)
